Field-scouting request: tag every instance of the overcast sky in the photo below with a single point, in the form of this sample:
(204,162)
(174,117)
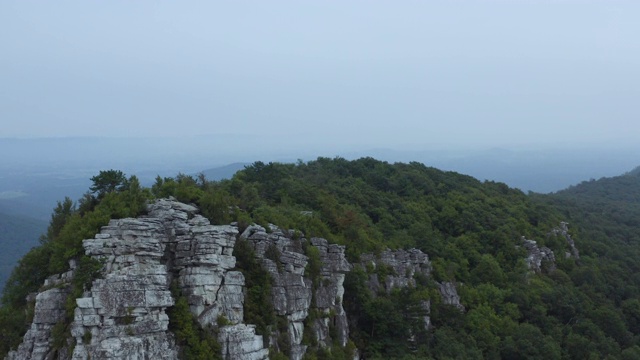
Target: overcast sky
(375,73)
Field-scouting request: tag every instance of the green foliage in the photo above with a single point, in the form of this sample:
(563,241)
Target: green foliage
(380,324)
(130,201)
(128,317)
(488,270)
(59,335)
(258,308)
(470,230)
(13,323)
(314,264)
(222,321)
(61,214)
(163,187)
(272,253)
(195,343)
(108,181)
(88,270)
(27,276)
(86,337)
(215,205)
(274,355)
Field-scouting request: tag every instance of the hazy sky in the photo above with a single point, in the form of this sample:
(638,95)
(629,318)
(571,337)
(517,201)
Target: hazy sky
(381,73)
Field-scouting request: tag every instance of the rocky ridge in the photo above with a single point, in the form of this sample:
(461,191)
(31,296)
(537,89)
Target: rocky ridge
(124,313)
(539,257)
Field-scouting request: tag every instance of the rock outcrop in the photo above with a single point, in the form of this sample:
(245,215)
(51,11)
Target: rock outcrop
(399,268)
(449,294)
(563,230)
(146,261)
(295,294)
(49,309)
(123,315)
(200,256)
(537,256)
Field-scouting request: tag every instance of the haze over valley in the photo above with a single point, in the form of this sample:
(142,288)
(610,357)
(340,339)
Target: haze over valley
(38,172)
(336,179)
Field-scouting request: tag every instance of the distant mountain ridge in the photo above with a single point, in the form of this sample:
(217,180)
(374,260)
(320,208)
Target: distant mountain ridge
(608,210)
(223,172)
(635,172)
(623,188)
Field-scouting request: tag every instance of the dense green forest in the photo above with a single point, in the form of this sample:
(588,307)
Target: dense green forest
(471,230)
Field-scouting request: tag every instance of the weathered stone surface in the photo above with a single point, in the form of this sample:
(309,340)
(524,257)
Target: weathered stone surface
(202,259)
(293,290)
(404,265)
(125,310)
(49,309)
(449,294)
(537,256)
(241,342)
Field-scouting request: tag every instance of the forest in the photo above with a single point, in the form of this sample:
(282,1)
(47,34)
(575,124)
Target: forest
(579,308)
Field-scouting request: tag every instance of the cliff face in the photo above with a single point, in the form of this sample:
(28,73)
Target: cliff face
(295,295)
(402,267)
(49,310)
(124,313)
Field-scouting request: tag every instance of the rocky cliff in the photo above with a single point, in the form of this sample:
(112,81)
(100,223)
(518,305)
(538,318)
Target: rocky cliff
(124,313)
(296,292)
(543,257)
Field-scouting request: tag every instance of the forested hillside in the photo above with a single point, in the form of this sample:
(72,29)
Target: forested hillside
(609,207)
(574,308)
(606,216)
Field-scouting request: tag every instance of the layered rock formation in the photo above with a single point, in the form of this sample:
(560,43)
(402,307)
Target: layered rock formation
(295,293)
(400,268)
(200,256)
(124,314)
(49,310)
